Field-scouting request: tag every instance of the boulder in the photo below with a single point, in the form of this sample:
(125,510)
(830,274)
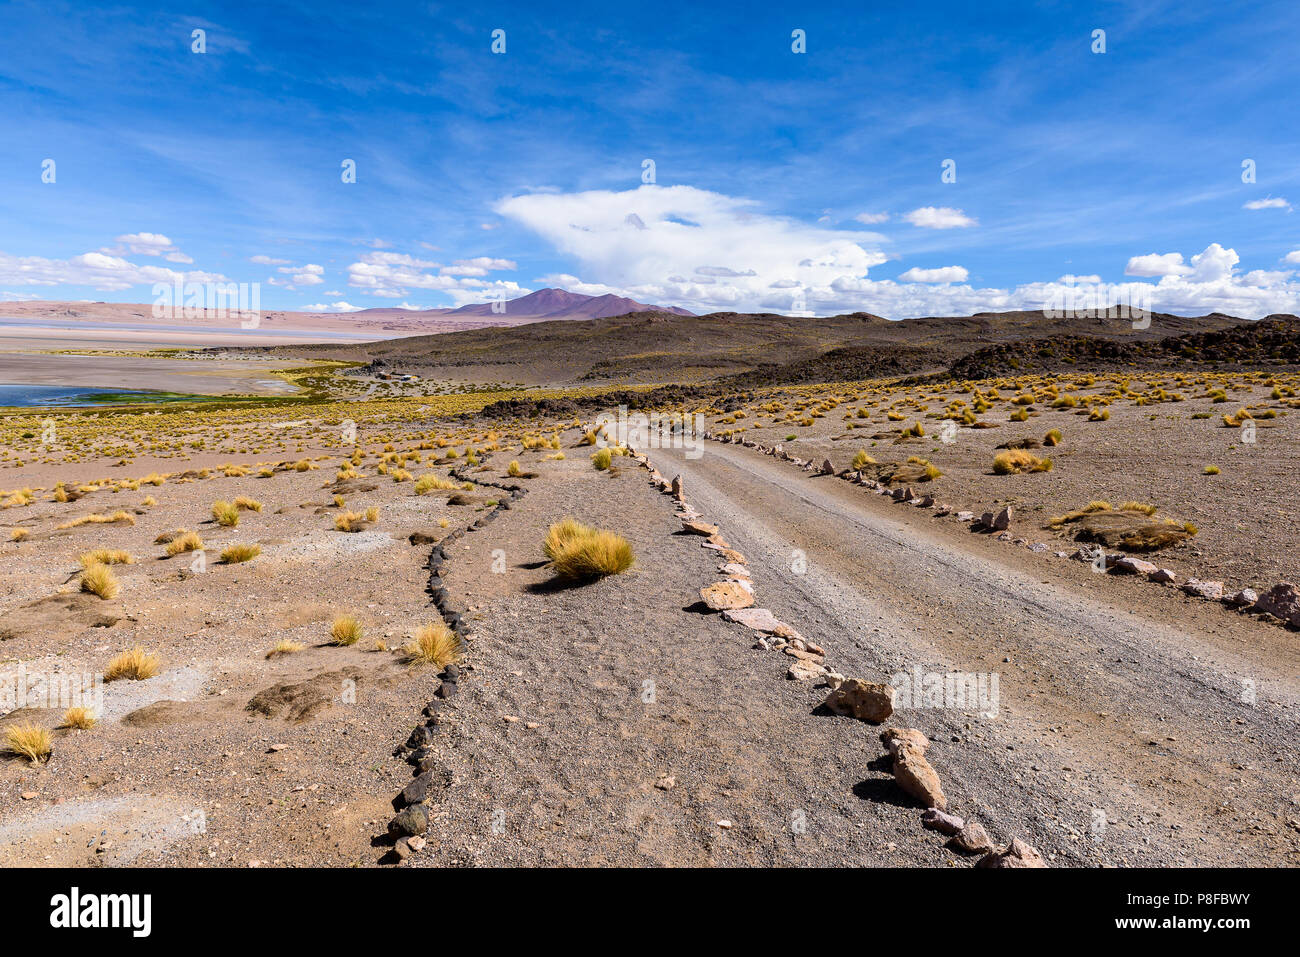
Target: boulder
(1162,576)
(895,738)
(804,671)
(677,488)
(827,468)
(694,527)
(760,619)
(915,776)
(965,516)
(1015,854)
(942,821)
(1281,601)
(723,596)
(1002,520)
(1242,599)
(411,820)
(1129,565)
(972,839)
(1203,589)
(863,700)
(734,568)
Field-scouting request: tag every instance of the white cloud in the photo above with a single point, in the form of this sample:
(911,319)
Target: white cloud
(332,307)
(267,261)
(145,244)
(691,247)
(1292,257)
(1158,264)
(871,219)
(940,217)
(309,275)
(393,275)
(99,270)
(478,266)
(1269,203)
(942,274)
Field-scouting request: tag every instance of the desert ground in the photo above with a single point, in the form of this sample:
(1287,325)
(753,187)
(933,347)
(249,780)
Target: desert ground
(338,635)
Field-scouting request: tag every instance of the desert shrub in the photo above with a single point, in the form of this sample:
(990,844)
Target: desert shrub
(513,469)
(862,460)
(430,483)
(184,542)
(246,504)
(346,630)
(80,719)
(234,554)
(106,556)
(1052,438)
(29,741)
(1015,461)
(580,552)
(136,664)
(1210,470)
(285,646)
(433,644)
(600,459)
(225,513)
(98,579)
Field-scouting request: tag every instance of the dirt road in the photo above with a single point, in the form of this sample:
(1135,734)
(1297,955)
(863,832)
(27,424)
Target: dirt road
(1116,697)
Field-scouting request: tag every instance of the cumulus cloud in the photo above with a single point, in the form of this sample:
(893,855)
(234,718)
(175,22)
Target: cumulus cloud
(146,244)
(310,274)
(871,219)
(1158,264)
(691,247)
(940,217)
(99,270)
(942,274)
(393,275)
(262,260)
(1269,203)
(1292,257)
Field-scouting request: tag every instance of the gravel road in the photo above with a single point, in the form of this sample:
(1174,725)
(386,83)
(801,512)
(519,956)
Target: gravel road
(1125,732)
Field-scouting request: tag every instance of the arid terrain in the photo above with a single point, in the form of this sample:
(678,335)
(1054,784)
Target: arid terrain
(353,638)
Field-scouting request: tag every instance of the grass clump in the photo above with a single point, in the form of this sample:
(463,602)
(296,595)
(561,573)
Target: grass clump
(433,483)
(1210,470)
(225,514)
(98,579)
(285,646)
(580,552)
(136,665)
(29,741)
(246,504)
(106,556)
(433,644)
(600,459)
(514,470)
(234,554)
(862,460)
(1015,461)
(345,630)
(184,542)
(79,719)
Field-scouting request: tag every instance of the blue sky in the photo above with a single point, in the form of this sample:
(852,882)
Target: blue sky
(780,178)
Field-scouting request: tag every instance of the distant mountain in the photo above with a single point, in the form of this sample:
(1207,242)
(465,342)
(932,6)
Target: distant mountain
(561,304)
